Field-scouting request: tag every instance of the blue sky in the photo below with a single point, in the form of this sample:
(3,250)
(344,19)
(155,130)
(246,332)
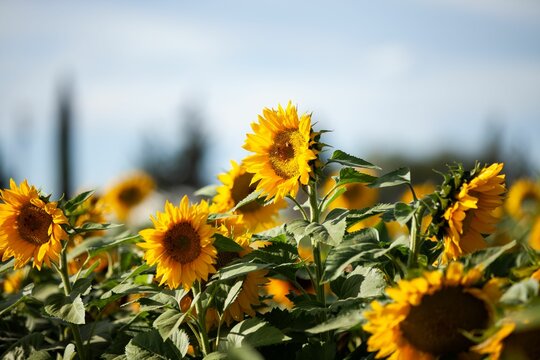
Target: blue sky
(386,76)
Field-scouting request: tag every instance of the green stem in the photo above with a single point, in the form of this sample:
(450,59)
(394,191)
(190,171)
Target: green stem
(201,315)
(63,271)
(416,224)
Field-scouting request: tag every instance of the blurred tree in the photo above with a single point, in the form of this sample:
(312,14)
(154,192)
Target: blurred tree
(181,166)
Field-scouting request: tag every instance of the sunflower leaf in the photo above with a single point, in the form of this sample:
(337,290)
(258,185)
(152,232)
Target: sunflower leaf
(168,322)
(225,244)
(403,213)
(350,176)
(343,322)
(233,293)
(520,293)
(255,332)
(72,204)
(208,191)
(343,158)
(354,247)
(248,199)
(181,340)
(150,345)
(239,269)
(355,216)
(397,177)
(66,308)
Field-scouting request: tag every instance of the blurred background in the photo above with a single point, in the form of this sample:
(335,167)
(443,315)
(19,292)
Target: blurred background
(90,91)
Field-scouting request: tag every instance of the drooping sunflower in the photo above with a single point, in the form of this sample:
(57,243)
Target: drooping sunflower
(180,244)
(510,342)
(523,199)
(470,212)
(427,315)
(128,193)
(284,152)
(30,226)
(237,185)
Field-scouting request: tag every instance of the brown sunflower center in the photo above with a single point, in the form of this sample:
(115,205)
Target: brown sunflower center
(130,196)
(523,345)
(283,151)
(33,224)
(436,324)
(182,242)
(241,189)
(353,192)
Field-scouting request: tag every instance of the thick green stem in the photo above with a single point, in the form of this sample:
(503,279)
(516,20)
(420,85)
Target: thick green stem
(201,315)
(63,271)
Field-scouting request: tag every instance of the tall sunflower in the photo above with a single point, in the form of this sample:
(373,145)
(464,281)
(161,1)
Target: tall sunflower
(181,244)
(284,152)
(469,214)
(30,226)
(128,193)
(236,185)
(426,316)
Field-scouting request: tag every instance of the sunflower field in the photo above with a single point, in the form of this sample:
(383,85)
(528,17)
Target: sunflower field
(291,256)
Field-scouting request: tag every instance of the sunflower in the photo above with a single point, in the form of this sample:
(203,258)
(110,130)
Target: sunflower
(237,184)
(471,213)
(523,198)
(127,194)
(30,226)
(181,244)
(427,315)
(284,152)
(511,342)
(279,289)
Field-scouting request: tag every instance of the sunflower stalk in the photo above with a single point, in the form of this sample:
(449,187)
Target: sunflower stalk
(63,272)
(201,315)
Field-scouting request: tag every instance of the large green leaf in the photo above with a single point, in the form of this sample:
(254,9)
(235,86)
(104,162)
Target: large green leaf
(168,322)
(354,247)
(350,175)
(362,282)
(233,293)
(255,332)
(72,204)
(181,340)
(254,196)
(150,345)
(520,293)
(342,322)
(24,347)
(355,216)
(343,158)
(66,308)
(239,269)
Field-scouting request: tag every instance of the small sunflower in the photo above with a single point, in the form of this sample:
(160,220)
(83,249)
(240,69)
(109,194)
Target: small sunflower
(470,213)
(427,315)
(511,342)
(30,226)
(127,194)
(279,289)
(523,198)
(181,244)
(237,184)
(284,152)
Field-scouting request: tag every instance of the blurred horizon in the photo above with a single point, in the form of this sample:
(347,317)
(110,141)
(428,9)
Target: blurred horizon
(411,82)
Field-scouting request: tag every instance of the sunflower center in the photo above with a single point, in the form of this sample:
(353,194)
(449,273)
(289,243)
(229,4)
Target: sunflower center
(241,189)
(436,324)
(182,242)
(353,192)
(130,196)
(33,224)
(282,153)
